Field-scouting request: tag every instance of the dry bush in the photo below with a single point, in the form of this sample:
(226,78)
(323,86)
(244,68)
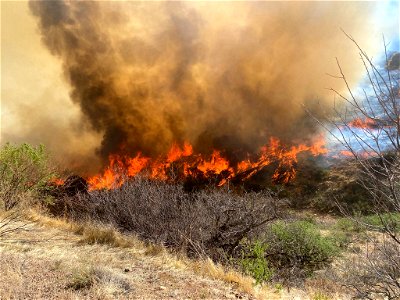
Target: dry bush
(12,222)
(375,149)
(95,234)
(341,184)
(210,221)
(375,275)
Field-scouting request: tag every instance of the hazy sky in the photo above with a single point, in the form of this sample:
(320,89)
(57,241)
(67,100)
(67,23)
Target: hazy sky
(35,101)
(31,75)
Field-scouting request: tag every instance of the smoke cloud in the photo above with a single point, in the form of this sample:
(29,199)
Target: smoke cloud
(219,75)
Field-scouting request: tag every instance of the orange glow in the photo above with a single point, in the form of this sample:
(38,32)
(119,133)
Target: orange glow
(367,123)
(58,181)
(136,165)
(216,164)
(360,154)
(182,162)
(346,153)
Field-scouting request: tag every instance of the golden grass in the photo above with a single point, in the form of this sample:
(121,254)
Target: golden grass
(101,244)
(100,234)
(106,249)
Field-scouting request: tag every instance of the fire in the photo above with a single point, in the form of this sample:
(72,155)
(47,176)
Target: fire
(367,123)
(182,162)
(346,153)
(216,164)
(58,181)
(360,154)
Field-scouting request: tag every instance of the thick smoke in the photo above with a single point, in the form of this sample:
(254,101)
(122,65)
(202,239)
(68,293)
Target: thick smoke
(224,75)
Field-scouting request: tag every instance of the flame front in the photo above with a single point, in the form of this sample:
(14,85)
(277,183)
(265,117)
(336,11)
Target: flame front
(366,123)
(181,162)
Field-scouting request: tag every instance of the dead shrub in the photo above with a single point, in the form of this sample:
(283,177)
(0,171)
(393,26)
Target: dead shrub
(375,275)
(209,221)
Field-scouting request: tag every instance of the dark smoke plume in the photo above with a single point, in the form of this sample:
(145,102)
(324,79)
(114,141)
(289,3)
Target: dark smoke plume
(224,75)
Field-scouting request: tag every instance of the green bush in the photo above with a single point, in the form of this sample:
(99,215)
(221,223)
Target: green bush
(349,225)
(289,251)
(299,243)
(23,169)
(370,222)
(378,221)
(254,263)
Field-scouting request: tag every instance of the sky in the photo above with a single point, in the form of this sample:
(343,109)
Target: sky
(31,75)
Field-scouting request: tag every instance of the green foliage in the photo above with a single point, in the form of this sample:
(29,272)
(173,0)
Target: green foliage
(299,244)
(377,221)
(289,249)
(341,239)
(23,169)
(254,263)
(370,222)
(278,287)
(348,225)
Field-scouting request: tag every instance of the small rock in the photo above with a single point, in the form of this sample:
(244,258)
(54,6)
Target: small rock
(126,270)
(162,287)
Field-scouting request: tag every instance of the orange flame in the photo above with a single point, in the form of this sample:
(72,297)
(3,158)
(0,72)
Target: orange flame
(58,181)
(187,163)
(367,123)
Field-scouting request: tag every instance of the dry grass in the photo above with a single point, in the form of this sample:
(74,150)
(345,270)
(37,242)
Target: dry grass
(96,234)
(209,222)
(69,260)
(88,260)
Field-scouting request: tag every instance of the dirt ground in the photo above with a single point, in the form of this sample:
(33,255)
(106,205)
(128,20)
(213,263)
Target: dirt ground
(44,263)
(55,259)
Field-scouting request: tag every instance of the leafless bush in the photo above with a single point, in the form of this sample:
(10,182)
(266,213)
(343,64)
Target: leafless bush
(11,222)
(375,148)
(376,274)
(204,222)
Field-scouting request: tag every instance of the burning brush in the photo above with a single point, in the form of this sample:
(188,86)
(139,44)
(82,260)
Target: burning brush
(183,164)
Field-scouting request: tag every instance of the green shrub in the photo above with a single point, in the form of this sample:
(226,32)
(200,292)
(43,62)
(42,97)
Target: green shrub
(370,222)
(377,222)
(254,263)
(301,240)
(297,249)
(289,251)
(348,225)
(320,296)
(23,169)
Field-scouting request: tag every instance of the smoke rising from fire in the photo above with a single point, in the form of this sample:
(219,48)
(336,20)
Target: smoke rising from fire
(219,75)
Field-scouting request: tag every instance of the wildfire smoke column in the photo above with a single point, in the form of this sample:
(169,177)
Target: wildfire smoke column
(147,75)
